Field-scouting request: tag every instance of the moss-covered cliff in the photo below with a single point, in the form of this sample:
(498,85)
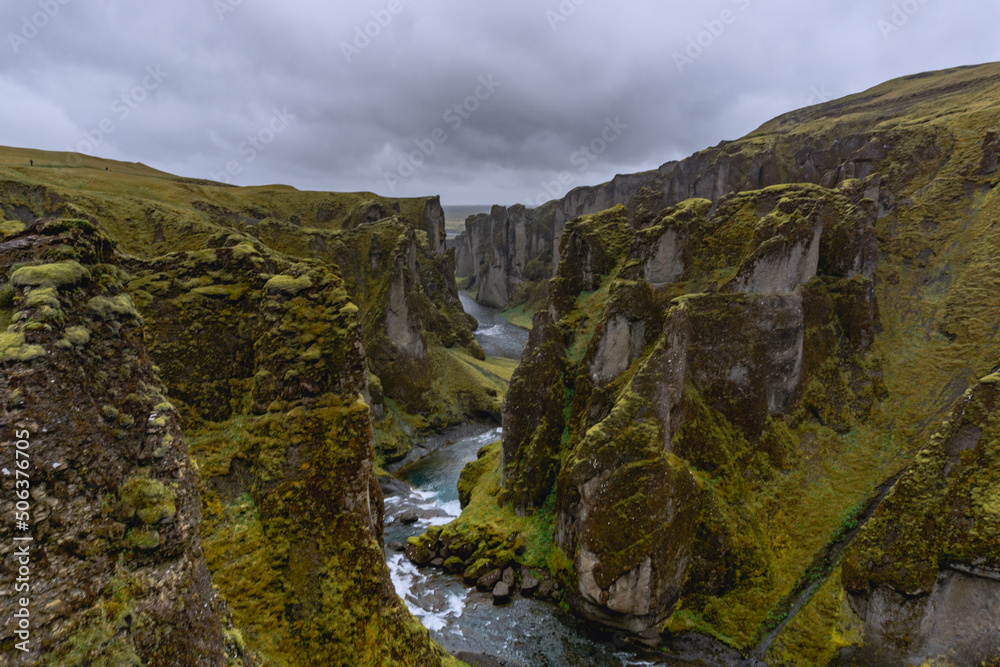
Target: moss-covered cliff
(191,361)
(114,570)
(717,388)
(390,253)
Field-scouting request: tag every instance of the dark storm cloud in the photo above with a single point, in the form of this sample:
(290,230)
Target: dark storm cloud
(362,96)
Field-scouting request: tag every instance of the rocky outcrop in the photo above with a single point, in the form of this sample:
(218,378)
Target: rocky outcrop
(288,463)
(390,253)
(204,451)
(502,250)
(925,574)
(433,224)
(404,330)
(744,376)
(781,151)
(111,566)
(673,382)
(533,418)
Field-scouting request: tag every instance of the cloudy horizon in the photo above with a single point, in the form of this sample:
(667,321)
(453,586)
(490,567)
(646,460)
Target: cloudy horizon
(508,103)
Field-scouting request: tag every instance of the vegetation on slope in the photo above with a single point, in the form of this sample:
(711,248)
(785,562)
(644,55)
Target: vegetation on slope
(895,327)
(257,306)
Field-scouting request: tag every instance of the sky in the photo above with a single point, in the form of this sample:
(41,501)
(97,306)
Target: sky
(480,102)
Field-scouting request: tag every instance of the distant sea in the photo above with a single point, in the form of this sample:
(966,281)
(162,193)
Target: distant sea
(454,217)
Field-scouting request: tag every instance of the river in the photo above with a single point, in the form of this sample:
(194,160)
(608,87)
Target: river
(526,632)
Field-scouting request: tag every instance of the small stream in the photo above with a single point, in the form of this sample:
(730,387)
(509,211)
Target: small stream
(526,632)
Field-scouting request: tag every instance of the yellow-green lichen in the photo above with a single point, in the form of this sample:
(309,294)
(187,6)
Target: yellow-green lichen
(148,499)
(59,275)
(117,307)
(11,227)
(14,348)
(77,336)
(42,296)
(288,284)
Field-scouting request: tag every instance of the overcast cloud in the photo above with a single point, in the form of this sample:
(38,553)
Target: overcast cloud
(296,92)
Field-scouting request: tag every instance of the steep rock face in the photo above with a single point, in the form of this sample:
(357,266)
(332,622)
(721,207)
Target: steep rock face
(533,418)
(390,252)
(745,375)
(671,384)
(433,224)
(264,363)
(288,465)
(116,571)
(405,332)
(502,250)
(825,145)
(925,572)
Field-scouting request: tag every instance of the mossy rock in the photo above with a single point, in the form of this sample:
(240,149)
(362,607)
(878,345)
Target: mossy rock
(111,308)
(59,275)
(148,499)
(13,347)
(288,284)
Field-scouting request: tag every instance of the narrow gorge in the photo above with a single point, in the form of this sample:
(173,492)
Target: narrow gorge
(754,421)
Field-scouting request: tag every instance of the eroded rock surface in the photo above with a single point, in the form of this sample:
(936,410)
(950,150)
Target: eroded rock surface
(115,566)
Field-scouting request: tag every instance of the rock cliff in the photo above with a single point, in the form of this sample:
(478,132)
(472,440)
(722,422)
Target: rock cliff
(192,365)
(737,360)
(824,145)
(114,570)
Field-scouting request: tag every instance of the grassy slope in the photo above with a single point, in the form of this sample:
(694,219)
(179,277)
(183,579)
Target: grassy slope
(133,201)
(939,327)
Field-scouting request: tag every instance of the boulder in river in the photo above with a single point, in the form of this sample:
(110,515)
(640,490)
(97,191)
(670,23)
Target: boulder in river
(394,487)
(546,589)
(454,564)
(488,580)
(417,552)
(477,570)
(501,593)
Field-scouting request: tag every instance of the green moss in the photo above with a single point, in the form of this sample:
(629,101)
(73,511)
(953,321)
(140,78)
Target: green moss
(484,519)
(109,308)
(105,635)
(473,471)
(288,284)
(148,499)
(231,292)
(76,336)
(11,227)
(816,635)
(42,296)
(13,347)
(142,539)
(59,275)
